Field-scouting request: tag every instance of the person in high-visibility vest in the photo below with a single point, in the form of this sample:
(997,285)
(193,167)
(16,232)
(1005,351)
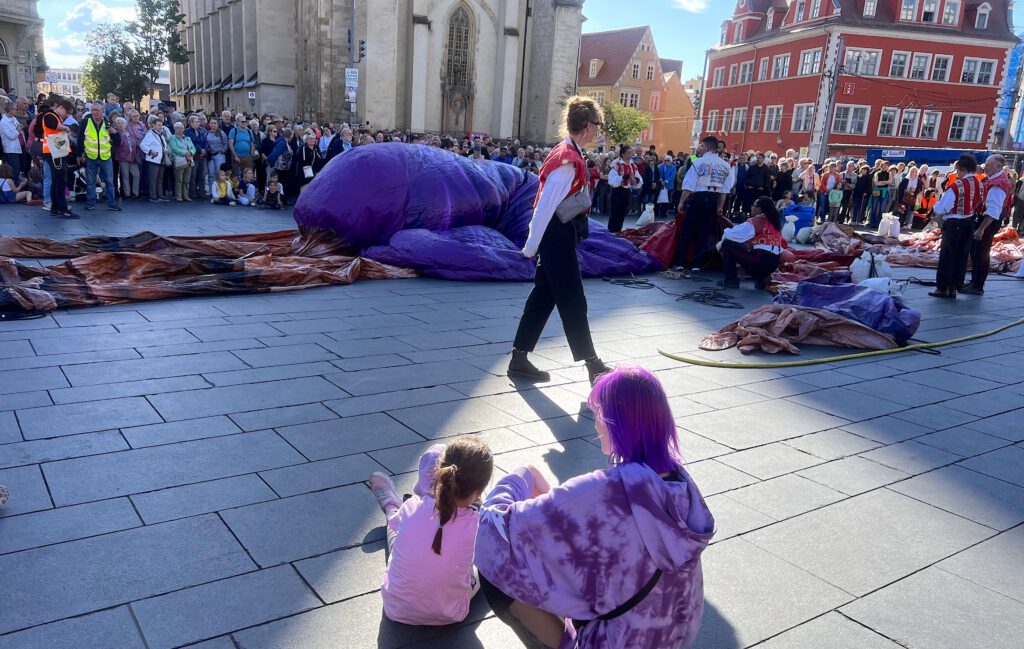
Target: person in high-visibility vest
(97,139)
(51,119)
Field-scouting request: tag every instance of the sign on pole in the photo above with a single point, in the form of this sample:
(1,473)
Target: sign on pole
(252,94)
(352,77)
(805,151)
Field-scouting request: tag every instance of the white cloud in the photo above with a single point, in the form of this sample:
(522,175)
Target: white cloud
(89,13)
(693,6)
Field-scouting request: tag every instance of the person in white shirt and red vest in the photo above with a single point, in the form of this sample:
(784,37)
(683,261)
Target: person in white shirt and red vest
(558,282)
(955,213)
(755,245)
(622,178)
(998,201)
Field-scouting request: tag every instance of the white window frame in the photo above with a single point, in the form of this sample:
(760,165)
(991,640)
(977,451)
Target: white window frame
(597,95)
(725,34)
(773,118)
(718,78)
(739,120)
(775,66)
(755,119)
(769,19)
(655,102)
(951,13)
(746,72)
(893,125)
(815,9)
(594,65)
(798,15)
(983,12)
(762,72)
(858,68)
(870,7)
(936,14)
(849,118)
(739,33)
(712,121)
(650,72)
(726,119)
(815,62)
(924,123)
(734,75)
(924,71)
(967,117)
(906,64)
(915,114)
(903,10)
(976,75)
(949,66)
(803,118)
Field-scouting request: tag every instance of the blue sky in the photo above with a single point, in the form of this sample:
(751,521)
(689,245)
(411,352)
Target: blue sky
(683,29)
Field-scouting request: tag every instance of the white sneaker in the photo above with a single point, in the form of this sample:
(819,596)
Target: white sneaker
(46,206)
(383,488)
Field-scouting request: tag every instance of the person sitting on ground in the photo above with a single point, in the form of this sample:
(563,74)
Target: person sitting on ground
(610,558)
(246,192)
(272,198)
(9,191)
(755,245)
(221,191)
(785,201)
(429,577)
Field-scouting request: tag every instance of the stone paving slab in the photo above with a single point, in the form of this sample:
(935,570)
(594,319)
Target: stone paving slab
(972,495)
(205,611)
(86,417)
(66,524)
(831,630)
(28,489)
(202,498)
(60,448)
(240,398)
(111,628)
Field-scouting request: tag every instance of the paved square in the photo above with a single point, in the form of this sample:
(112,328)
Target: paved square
(191,472)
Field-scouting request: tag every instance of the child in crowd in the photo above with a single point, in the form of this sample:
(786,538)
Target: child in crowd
(835,201)
(272,197)
(9,192)
(220,190)
(246,191)
(430,578)
(785,201)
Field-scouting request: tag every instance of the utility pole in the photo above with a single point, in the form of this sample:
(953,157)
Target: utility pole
(826,127)
(353,106)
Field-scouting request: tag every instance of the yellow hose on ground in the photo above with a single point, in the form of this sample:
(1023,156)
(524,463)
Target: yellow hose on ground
(843,357)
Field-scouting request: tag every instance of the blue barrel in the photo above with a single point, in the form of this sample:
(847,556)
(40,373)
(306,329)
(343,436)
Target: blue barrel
(804,214)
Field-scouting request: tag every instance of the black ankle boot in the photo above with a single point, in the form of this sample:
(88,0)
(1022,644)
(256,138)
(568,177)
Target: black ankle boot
(520,367)
(595,368)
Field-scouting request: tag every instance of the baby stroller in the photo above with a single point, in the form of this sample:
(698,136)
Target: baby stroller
(79,183)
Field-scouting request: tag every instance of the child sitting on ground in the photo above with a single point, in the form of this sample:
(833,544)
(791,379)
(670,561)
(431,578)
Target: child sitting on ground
(220,190)
(9,192)
(246,190)
(429,577)
(272,198)
(785,201)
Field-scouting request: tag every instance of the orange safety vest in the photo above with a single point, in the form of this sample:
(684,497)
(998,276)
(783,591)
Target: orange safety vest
(49,131)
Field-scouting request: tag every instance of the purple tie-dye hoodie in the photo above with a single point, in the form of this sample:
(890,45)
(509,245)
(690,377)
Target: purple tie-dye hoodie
(591,544)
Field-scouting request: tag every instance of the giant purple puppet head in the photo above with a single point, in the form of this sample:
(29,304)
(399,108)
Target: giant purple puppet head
(425,208)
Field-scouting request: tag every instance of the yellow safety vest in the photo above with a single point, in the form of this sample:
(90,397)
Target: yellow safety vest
(97,144)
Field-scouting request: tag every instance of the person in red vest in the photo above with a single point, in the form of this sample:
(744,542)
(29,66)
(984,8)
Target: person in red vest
(998,200)
(955,213)
(558,282)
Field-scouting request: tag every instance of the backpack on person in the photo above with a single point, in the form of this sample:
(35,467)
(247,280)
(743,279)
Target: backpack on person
(284,161)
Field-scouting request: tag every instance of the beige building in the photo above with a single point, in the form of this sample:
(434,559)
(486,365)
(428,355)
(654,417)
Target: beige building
(623,66)
(63,81)
(22,62)
(440,66)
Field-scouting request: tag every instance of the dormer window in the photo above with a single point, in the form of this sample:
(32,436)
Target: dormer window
(951,14)
(769,19)
(815,8)
(725,34)
(595,65)
(870,6)
(981,22)
(930,13)
(739,32)
(798,15)
(908,10)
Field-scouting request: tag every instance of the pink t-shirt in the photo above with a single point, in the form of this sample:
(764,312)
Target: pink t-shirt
(421,587)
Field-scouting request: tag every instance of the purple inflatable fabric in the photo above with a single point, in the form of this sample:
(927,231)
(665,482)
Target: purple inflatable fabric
(424,208)
(864,305)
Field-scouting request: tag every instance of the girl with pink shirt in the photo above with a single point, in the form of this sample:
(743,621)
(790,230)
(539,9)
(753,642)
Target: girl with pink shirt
(430,579)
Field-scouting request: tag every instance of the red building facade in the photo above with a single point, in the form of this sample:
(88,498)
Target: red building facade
(911,74)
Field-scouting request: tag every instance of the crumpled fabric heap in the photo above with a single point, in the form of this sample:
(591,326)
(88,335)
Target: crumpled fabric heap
(145,266)
(869,307)
(775,328)
(921,250)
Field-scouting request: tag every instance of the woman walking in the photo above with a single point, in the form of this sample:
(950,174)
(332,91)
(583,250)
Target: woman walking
(553,237)
(622,178)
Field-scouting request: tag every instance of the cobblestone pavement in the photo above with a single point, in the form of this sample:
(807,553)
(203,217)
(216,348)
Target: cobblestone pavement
(191,471)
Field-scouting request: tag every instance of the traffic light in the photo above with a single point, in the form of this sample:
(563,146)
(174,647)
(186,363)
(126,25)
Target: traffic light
(362,50)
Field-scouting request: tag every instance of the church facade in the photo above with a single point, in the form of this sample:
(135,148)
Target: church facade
(499,67)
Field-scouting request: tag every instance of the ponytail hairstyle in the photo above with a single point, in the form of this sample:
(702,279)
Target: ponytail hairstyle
(464,469)
(767,207)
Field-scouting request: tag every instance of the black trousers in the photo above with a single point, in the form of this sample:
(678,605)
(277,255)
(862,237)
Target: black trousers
(957,235)
(759,264)
(698,224)
(981,260)
(751,194)
(558,283)
(619,207)
(58,183)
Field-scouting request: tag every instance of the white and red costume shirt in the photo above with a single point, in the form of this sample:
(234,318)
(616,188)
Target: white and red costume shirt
(758,233)
(620,169)
(563,173)
(963,199)
(998,196)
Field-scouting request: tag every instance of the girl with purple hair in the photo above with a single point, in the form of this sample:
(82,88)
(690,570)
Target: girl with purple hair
(608,559)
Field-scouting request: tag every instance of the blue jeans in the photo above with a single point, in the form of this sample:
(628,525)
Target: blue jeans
(46,184)
(877,206)
(106,170)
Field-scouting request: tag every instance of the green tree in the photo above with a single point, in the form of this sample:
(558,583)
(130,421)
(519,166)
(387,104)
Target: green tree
(155,37)
(110,66)
(623,125)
